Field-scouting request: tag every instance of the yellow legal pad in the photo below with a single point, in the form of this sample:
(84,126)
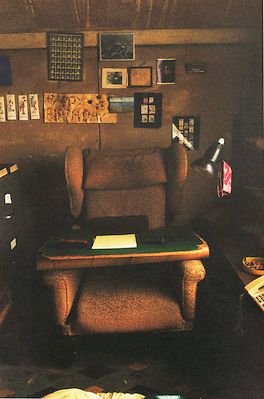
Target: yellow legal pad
(115,241)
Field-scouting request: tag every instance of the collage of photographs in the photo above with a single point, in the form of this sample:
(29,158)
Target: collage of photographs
(65,62)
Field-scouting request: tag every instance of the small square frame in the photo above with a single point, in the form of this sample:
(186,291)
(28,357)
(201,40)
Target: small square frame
(116,47)
(114,78)
(139,76)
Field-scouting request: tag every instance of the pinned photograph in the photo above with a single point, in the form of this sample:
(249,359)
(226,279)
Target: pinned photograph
(152,109)
(11,107)
(2,109)
(166,71)
(23,107)
(116,46)
(114,78)
(144,109)
(34,106)
(121,104)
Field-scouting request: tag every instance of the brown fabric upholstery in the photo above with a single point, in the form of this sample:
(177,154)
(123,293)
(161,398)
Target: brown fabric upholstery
(64,285)
(189,273)
(74,178)
(131,170)
(175,162)
(145,201)
(136,297)
(140,298)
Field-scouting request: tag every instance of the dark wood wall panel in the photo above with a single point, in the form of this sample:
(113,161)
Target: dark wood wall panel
(78,15)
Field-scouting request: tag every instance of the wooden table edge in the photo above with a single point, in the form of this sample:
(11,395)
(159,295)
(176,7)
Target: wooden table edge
(52,263)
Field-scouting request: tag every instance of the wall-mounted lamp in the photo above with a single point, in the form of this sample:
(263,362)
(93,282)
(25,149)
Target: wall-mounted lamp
(212,164)
(211,160)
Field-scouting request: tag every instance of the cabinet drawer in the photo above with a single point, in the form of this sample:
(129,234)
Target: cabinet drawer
(10,192)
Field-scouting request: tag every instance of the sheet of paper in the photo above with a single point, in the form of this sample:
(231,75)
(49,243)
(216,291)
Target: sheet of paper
(115,241)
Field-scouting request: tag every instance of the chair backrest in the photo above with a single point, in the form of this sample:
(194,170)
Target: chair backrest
(145,182)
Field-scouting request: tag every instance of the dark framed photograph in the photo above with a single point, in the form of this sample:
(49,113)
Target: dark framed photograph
(139,76)
(5,71)
(148,110)
(114,78)
(65,56)
(116,47)
(166,71)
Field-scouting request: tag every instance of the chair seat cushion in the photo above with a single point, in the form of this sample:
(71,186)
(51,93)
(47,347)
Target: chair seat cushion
(124,299)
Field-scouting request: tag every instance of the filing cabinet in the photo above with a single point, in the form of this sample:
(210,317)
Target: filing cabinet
(11,237)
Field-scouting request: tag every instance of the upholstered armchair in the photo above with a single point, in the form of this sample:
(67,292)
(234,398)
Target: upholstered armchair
(105,187)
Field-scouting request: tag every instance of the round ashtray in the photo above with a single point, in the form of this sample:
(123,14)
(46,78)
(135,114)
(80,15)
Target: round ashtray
(254,265)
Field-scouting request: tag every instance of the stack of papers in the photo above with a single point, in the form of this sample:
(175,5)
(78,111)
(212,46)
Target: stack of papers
(115,241)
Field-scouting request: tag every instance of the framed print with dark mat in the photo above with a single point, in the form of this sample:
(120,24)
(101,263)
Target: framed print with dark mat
(148,110)
(116,46)
(65,54)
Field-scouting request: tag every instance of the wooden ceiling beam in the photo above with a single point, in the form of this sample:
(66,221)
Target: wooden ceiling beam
(153,37)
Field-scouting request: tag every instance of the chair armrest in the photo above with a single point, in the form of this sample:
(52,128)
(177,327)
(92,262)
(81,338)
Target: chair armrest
(64,285)
(189,273)
(73,168)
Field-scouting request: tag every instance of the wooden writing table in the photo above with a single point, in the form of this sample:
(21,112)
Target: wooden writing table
(182,244)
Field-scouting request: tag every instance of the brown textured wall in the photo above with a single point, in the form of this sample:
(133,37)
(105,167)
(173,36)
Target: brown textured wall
(217,96)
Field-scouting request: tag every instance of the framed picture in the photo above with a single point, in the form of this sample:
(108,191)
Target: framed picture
(65,53)
(114,78)
(148,110)
(116,46)
(5,71)
(166,71)
(139,76)
(189,128)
